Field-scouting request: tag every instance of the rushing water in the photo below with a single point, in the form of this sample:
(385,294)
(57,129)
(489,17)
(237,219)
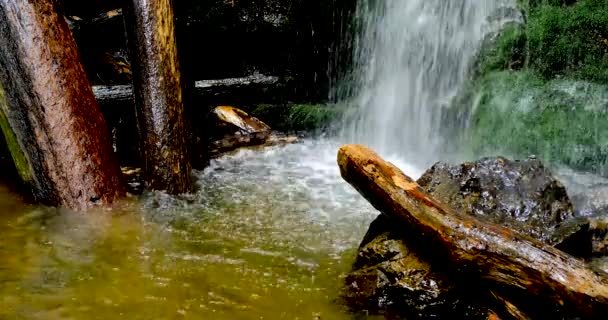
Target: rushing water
(411,58)
(267,236)
(269,233)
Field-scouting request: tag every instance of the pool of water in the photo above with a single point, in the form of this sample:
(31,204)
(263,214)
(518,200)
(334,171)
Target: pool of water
(267,235)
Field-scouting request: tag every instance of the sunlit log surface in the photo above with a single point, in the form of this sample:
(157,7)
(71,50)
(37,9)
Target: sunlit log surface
(158,95)
(512,264)
(51,110)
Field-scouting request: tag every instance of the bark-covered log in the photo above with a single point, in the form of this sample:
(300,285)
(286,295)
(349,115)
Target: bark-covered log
(506,261)
(203,88)
(158,95)
(53,125)
(257,139)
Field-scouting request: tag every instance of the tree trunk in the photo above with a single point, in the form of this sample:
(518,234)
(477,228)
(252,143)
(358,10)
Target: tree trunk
(506,261)
(54,128)
(158,95)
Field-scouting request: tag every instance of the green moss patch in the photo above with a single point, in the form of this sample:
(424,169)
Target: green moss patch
(561,121)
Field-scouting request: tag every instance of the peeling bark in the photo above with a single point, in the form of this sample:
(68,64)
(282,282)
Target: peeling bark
(158,95)
(51,109)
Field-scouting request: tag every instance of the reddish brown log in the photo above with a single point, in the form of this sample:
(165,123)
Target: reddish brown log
(158,95)
(51,109)
(508,260)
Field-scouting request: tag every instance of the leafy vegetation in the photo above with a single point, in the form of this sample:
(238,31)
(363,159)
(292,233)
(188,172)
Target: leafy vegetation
(297,117)
(569,40)
(560,121)
(541,86)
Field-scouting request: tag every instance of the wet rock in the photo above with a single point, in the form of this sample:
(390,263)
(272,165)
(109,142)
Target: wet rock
(240,119)
(233,129)
(522,195)
(393,276)
(387,273)
(586,237)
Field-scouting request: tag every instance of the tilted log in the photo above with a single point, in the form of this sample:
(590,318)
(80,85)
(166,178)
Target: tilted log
(500,257)
(158,95)
(54,127)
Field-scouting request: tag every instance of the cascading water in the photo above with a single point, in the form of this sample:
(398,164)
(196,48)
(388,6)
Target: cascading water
(270,231)
(411,58)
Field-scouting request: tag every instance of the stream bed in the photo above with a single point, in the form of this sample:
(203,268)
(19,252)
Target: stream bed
(267,235)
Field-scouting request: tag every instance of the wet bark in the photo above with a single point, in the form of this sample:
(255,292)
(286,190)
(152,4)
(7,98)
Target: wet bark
(256,139)
(513,265)
(51,114)
(158,95)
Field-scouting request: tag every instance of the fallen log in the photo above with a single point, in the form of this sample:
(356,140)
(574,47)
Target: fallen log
(202,88)
(247,140)
(504,260)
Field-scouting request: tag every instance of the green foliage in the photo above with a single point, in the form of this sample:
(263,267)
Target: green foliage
(542,87)
(569,40)
(560,121)
(507,52)
(297,117)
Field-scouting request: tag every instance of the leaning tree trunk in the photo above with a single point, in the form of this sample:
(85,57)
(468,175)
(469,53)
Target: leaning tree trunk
(158,95)
(508,262)
(52,123)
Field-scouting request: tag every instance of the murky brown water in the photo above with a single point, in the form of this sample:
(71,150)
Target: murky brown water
(267,236)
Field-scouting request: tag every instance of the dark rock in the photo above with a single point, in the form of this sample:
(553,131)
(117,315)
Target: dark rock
(392,276)
(388,273)
(522,195)
(585,237)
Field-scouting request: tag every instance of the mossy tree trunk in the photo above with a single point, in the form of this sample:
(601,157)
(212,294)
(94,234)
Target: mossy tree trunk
(53,126)
(158,95)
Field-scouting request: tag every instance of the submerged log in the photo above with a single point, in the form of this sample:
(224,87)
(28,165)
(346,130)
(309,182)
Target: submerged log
(158,95)
(55,130)
(511,264)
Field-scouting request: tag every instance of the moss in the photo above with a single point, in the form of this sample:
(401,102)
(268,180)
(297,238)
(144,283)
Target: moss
(297,117)
(542,87)
(19,159)
(508,52)
(560,121)
(569,40)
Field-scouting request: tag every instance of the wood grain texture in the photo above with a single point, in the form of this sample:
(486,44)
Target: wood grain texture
(158,95)
(52,110)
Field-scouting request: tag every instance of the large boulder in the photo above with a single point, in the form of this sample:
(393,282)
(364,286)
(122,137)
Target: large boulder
(392,274)
(522,195)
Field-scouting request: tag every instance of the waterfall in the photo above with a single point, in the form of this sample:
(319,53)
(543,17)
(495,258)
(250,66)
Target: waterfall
(410,58)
